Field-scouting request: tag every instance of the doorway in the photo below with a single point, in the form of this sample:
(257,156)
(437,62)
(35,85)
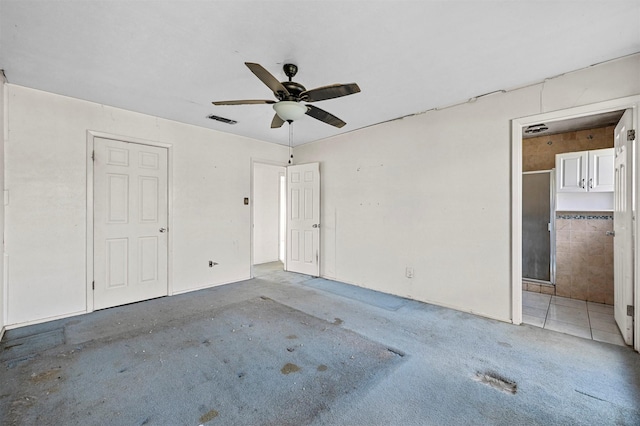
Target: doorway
(269,215)
(580,301)
(518,125)
(286,218)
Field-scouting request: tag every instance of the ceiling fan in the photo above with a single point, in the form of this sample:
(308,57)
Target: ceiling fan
(290,95)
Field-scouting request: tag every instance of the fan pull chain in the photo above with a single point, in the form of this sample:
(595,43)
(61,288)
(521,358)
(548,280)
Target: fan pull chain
(290,142)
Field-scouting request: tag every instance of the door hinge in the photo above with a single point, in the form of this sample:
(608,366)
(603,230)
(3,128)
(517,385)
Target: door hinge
(631,134)
(93,156)
(630,310)
(93,285)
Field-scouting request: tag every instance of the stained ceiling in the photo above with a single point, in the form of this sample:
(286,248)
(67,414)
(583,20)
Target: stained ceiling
(171,59)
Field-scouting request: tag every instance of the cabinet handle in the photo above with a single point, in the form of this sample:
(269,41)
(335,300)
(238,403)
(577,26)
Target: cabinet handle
(590,183)
(581,184)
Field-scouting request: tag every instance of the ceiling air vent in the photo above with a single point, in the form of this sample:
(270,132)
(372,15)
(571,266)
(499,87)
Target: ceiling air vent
(222,119)
(535,128)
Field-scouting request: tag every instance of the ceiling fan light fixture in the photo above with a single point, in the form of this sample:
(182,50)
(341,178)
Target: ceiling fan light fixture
(289,110)
(290,96)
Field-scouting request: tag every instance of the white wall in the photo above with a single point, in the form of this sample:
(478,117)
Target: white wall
(46,176)
(584,202)
(432,192)
(3,117)
(266,210)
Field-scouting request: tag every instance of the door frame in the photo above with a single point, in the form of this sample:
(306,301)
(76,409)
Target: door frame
(517,124)
(273,163)
(91,136)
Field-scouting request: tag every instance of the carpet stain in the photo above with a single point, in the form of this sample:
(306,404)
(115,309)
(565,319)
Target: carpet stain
(504,344)
(337,321)
(210,415)
(496,381)
(322,367)
(53,389)
(289,368)
(292,336)
(45,376)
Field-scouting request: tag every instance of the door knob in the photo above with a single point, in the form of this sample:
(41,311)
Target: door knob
(163,229)
(315,225)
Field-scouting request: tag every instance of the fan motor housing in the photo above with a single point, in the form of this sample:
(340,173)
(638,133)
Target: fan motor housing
(294,90)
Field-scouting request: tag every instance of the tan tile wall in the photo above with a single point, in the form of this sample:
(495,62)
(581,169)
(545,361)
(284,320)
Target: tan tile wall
(539,153)
(538,288)
(584,257)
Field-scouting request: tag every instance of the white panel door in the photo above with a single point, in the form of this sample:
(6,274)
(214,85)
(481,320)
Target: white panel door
(130,222)
(303,219)
(622,225)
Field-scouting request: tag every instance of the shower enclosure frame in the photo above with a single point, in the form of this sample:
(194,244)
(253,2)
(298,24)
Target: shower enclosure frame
(551,228)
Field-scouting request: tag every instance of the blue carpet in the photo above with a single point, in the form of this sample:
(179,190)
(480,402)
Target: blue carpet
(370,297)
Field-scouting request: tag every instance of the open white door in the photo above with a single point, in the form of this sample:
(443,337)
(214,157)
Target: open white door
(623,226)
(303,219)
(130,222)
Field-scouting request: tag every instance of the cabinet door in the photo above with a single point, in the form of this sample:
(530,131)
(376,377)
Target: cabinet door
(571,172)
(601,163)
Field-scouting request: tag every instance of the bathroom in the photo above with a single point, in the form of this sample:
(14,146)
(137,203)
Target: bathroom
(568,244)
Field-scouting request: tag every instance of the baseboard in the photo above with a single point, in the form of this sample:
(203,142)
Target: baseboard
(42,320)
(430,302)
(175,293)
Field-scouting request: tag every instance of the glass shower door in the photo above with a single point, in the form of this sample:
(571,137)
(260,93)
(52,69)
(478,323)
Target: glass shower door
(537,226)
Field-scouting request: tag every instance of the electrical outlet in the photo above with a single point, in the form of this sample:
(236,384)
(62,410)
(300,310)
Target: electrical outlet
(409,272)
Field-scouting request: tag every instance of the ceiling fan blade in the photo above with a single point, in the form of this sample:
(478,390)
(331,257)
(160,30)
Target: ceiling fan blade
(329,92)
(267,78)
(276,122)
(244,102)
(322,115)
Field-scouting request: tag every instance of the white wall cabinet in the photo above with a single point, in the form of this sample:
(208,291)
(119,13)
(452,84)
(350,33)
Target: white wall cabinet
(585,171)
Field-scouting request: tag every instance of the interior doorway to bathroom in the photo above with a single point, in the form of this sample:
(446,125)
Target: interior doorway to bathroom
(568,173)
(571,210)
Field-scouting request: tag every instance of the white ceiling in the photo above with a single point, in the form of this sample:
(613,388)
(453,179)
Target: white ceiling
(172,58)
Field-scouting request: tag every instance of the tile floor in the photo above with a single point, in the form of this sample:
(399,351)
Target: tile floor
(576,317)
